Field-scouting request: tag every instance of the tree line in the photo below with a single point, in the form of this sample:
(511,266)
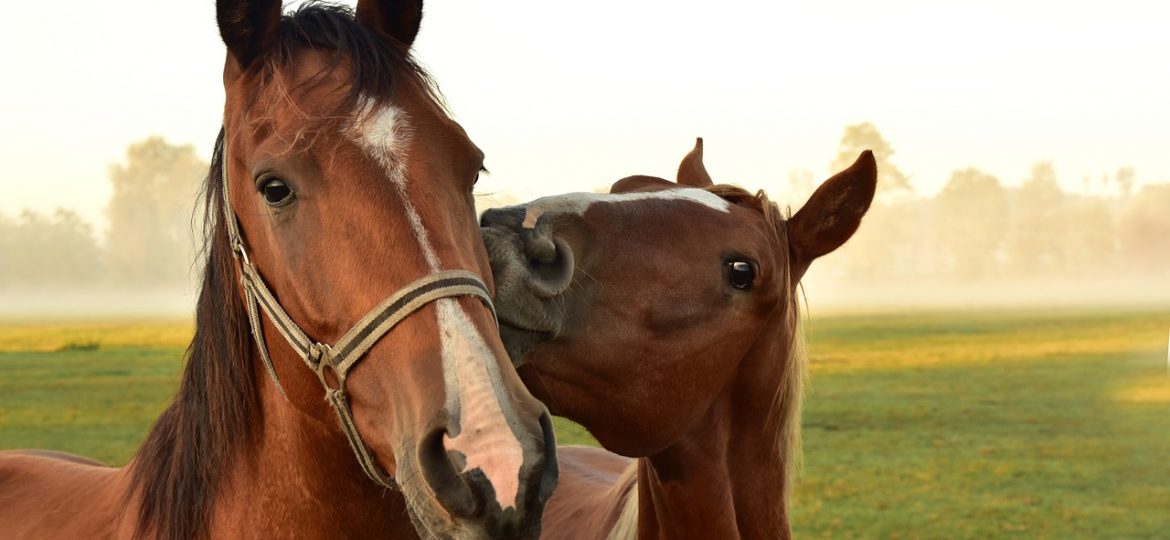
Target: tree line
(975,229)
(978,229)
(149,241)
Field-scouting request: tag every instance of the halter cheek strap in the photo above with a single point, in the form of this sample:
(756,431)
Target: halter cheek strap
(340,357)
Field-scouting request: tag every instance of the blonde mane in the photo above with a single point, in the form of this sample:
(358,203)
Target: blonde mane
(789,398)
(626,526)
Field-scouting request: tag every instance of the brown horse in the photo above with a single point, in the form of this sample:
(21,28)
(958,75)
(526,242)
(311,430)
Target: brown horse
(663,318)
(341,235)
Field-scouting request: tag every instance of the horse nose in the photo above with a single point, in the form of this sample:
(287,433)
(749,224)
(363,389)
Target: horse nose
(469,495)
(547,259)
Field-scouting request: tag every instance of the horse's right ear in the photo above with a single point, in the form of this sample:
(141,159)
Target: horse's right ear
(249,28)
(399,19)
(832,214)
(692,172)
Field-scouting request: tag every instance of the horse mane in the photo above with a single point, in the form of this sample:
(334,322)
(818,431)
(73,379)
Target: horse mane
(625,491)
(178,471)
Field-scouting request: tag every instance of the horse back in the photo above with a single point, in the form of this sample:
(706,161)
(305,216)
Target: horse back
(591,494)
(62,456)
(46,494)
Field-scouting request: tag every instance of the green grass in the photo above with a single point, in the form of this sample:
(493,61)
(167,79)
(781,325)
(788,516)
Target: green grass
(1026,424)
(98,403)
(1006,425)
(95,388)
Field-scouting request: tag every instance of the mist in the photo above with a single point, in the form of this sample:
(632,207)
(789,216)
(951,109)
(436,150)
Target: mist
(980,242)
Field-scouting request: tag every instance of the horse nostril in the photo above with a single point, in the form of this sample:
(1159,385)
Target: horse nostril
(551,474)
(442,475)
(541,249)
(550,264)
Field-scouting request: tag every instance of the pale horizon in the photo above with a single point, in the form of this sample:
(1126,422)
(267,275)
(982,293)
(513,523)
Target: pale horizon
(565,99)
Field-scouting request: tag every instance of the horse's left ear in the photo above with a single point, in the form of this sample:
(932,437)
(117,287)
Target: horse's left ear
(832,214)
(398,19)
(249,28)
(692,172)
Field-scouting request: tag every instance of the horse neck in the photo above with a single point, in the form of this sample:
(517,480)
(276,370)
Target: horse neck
(725,478)
(301,479)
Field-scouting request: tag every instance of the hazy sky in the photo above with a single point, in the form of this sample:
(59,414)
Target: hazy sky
(568,96)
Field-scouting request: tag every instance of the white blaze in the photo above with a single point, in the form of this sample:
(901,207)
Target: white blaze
(485,438)
(470,373)
(384,134)
(578,203)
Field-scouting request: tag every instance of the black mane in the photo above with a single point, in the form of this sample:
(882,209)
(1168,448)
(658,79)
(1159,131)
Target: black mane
(376,61)
(179,469)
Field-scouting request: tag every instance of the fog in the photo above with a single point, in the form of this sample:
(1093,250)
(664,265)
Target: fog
(980,242)
(94,303)
(826,295)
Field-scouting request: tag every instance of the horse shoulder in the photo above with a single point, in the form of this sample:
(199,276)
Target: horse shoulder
(47,494)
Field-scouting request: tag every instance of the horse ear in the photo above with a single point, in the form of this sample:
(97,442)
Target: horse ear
(692,172)
(395,18)
(833,213)
(249,28)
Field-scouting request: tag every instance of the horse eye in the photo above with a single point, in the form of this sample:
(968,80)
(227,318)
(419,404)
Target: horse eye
(276,192)
(741,274)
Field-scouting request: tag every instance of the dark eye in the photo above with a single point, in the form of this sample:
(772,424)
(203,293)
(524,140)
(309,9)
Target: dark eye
(741,274)
(276,192)
(482,170)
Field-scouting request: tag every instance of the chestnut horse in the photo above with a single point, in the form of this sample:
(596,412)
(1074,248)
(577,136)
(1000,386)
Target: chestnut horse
(346,378)
(663,318)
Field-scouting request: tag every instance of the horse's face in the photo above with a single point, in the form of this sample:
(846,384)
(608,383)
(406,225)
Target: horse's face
(668,284)
(631,311)
(342,202)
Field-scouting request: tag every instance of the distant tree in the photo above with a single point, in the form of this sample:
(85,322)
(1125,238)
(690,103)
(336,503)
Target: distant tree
(865,136)
(1124,179)
(149,242)
(885,246)
(48,251)
(1036,241)
(1144,231)
(890,244)
(8,253)
(1042,186)
(971,221)
(1090,237)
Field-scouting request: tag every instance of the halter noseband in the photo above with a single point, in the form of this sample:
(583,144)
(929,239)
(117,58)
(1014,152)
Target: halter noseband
(343,355)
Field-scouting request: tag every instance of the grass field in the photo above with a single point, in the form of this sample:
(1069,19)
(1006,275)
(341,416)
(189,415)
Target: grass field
(1025,424)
